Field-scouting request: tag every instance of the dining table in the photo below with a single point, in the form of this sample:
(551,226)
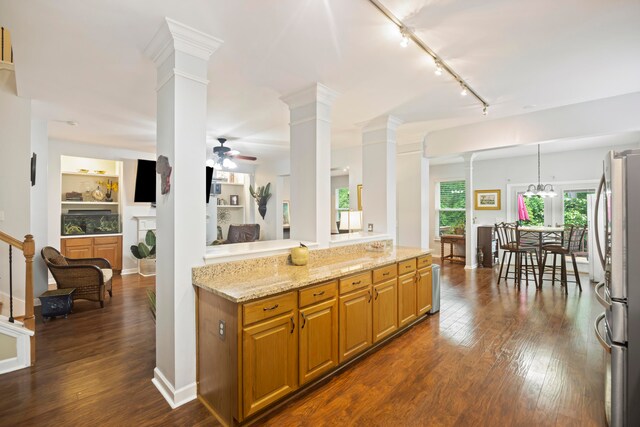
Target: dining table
(538,236)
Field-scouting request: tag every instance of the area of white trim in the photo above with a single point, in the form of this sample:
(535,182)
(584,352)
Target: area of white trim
(23,343)
(353,238)
(128,271)
(471,267)
(18,304)
(174,397)
(239,251)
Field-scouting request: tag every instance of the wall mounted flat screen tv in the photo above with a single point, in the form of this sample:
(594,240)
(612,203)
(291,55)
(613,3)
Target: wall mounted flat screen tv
(145,182)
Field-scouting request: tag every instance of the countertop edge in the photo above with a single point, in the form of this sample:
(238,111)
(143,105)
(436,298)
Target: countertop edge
(297,285)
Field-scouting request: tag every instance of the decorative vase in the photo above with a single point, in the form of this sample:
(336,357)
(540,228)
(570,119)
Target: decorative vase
(147,266)
(263,210)
(300,255)
(108,198)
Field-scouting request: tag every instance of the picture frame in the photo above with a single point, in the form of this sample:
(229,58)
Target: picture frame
(233,200)
(487,200)
(216,188)
(359,187)
(286,213)
(33,169)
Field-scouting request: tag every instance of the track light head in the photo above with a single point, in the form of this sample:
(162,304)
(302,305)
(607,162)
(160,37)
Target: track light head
(464,91)
(438,70)
(404,42)
(485,110)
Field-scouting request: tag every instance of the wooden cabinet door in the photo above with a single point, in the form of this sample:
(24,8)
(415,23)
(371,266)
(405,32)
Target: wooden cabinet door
(385,309)
(269,362)
(406,299)
(424,291)
(355,323)
(81,247)
(318,339)
(109,248)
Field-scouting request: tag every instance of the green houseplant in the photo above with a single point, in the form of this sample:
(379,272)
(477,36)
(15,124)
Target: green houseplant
(145,252)
(262,196)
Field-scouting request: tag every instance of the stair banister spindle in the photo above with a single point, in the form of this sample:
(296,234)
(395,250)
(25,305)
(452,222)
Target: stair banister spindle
(10,286)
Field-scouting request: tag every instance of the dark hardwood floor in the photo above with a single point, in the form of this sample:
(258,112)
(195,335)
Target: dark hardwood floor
(494,356)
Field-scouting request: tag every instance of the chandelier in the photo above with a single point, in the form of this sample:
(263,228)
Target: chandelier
(542,190)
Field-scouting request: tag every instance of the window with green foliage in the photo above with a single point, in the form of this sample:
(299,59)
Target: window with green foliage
(342,201)
(450,207)
(575,207)
(535,208)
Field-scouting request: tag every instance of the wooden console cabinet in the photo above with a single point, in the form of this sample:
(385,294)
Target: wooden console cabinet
(108,247)
(253,354)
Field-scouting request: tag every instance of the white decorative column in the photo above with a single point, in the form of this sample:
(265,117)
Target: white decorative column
(413,196)
(379,175)
(181,56)
(470,230)
(310,127)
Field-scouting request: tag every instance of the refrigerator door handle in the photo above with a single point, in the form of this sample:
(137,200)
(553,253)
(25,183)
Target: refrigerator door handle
(597,214)
(600,297)
(596,328)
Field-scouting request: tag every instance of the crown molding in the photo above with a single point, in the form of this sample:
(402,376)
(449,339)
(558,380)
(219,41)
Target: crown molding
(316,93)
(175,36)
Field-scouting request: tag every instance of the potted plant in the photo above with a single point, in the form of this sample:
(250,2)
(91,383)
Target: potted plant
(145,252)
(262,196)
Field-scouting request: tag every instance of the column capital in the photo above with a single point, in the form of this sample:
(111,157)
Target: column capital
(380,123)
(174,36)
(468,158)
(316,93)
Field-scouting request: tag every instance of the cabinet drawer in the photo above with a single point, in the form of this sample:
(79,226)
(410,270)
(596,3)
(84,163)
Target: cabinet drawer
(268,307)
(80,241)
(318,293)
(105,240)
(357,281)
(424,261)
(407,266)
(384,273)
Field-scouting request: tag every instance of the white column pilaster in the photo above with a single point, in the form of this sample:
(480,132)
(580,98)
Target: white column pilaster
(310,127)
(470,231)
(181,55)
(413,196)
(379,175)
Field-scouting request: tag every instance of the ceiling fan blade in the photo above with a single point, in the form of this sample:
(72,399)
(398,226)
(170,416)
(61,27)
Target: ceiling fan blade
(241,157)
(233,153)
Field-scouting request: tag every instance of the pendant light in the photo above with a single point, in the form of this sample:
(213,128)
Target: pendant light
(542,190)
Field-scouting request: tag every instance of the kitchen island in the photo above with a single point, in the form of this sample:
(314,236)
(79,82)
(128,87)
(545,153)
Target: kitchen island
(268,329)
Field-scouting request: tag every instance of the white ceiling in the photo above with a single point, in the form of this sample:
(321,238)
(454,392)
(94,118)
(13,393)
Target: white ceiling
(84,61)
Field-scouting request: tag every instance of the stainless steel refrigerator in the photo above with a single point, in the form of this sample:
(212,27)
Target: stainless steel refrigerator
(618,328)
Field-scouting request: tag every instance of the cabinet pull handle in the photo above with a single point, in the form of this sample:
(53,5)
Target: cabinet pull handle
(356,283)
(376,294)
(369,292)
(304,320)
(293,325)
(385,274)
(318,294)
(270,308)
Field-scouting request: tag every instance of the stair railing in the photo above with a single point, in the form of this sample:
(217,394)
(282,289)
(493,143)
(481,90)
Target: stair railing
(28,248)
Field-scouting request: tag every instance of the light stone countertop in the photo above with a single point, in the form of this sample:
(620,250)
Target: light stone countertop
(274,278)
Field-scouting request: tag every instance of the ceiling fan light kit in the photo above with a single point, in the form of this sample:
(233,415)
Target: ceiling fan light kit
(223,157)
(408,35)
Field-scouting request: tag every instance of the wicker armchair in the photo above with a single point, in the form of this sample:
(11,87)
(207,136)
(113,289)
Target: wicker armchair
(90,277)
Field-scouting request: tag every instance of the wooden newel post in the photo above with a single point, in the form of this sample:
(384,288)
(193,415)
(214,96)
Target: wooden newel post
(29,250)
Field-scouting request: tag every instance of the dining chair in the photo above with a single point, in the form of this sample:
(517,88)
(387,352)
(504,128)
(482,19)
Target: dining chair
(570,244)
(510,241)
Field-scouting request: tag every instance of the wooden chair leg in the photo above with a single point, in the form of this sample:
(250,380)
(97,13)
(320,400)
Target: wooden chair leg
(553,275)
(544,266)
(506,275)
(575,271)
(526,269)
(563,273)
(519,267)
(535,275)
(504,254)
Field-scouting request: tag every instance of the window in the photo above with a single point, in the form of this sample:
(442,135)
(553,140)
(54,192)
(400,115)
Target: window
(535,208)
(450,207)
(575,207)
(342,201)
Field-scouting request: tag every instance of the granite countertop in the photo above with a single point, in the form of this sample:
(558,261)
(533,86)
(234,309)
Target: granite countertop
(276,278)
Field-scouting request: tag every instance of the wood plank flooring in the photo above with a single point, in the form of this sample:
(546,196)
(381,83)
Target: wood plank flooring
(494,355)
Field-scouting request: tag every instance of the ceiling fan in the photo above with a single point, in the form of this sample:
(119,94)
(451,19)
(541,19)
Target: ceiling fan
(222,156)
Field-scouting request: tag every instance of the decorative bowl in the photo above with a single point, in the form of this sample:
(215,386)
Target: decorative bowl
(83,170)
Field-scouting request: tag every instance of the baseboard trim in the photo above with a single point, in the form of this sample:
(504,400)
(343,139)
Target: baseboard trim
(471,267)
(128,271)
(174,398)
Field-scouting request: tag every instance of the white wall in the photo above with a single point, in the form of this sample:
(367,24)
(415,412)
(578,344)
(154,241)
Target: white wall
(129,207)
(351,158)
(490,174)
(15,185)
(39,200)
(273,172)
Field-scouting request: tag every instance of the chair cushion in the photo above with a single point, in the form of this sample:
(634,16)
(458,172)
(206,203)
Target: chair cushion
(107,274)
(58,260)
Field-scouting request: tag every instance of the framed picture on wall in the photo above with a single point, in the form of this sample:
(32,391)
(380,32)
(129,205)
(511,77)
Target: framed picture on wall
(286,214)
(488,200)
(233,200)
(359,197)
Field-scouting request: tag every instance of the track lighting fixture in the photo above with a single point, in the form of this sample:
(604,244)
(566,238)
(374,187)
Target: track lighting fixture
(485,110)
(408,35)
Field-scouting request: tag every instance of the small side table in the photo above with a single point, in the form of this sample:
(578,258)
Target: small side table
(451,239)
(58,302)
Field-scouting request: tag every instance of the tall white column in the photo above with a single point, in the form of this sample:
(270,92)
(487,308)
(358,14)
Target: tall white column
(470,230)
(413,196)
(310,127)
(379,175)
(181,56)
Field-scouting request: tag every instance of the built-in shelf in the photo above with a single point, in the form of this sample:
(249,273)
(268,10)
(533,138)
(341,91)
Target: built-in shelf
(102,175)
(68,202)
(231,206)
(228,183)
